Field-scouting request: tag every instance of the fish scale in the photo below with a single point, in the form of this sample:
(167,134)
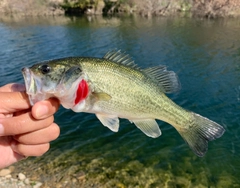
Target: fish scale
(117,86)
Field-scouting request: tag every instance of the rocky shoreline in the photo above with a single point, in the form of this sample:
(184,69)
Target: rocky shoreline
(204,8)
(7,179)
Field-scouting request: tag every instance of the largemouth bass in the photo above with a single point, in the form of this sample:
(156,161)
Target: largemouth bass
(114,87)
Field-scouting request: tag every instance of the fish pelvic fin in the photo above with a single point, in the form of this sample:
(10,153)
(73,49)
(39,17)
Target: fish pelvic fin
(148,127)
(200,131)
(112,122)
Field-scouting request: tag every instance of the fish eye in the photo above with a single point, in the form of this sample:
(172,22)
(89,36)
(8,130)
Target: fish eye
(45,69)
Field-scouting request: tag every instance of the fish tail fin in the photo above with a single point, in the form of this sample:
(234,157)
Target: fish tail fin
(200,131)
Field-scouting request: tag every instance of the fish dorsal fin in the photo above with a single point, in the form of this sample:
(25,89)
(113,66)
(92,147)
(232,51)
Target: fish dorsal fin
(121,58)
(112,122)
(148,126)
(167,80)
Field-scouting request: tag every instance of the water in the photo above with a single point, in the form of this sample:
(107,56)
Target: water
(204,53)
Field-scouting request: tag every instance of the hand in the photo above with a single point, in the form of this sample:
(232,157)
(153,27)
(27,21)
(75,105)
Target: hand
(24,131)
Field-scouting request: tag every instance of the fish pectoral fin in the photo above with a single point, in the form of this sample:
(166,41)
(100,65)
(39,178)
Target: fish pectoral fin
(148,126)
(112,122)
(101,96)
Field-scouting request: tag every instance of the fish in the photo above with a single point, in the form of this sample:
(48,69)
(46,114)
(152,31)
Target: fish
(114,87)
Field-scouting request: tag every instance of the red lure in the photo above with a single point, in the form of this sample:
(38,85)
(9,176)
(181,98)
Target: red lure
(81,92)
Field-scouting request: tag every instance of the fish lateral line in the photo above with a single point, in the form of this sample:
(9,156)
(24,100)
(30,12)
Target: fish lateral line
(82,91)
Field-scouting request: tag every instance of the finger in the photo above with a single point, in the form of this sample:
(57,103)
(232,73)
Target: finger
(12,158)
(44,109)
(13,101)
(40,136)
(8,156)
(23,123)
(30,150)
(13,87)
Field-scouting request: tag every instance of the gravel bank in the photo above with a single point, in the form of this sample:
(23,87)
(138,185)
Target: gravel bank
(20,180)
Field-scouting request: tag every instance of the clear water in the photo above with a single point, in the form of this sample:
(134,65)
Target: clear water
(204,53)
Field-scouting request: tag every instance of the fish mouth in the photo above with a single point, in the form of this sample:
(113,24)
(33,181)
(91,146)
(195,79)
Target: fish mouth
(33,86)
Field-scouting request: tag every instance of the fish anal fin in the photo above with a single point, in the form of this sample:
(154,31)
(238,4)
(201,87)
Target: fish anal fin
(167,80)
(148,127)
(112,122)
(200,131)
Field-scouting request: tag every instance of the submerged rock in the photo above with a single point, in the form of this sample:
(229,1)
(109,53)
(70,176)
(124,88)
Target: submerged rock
(21,176)
(4,172)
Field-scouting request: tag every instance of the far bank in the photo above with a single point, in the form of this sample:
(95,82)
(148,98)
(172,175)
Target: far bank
(189,8)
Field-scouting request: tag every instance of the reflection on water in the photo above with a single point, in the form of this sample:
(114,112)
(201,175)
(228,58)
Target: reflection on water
(204,53)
